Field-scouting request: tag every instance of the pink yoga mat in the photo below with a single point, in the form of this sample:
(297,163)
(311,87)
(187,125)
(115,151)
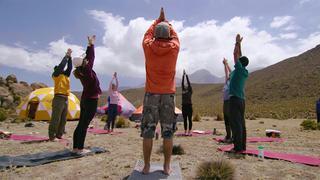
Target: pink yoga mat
(31,138)
(254,139)
(28,138)
(296,158)
(194,133)
(102,131)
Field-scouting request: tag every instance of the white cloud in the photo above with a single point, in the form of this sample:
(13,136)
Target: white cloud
(288,36)
(301,2)
(202,46)
(280,21)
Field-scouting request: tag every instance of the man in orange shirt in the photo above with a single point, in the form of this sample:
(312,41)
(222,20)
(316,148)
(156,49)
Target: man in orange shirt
(161,48)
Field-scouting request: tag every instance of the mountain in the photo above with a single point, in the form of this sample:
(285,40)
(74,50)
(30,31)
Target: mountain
(203,76)
(288,89)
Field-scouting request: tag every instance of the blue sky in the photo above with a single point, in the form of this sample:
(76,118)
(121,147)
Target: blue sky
(35,33)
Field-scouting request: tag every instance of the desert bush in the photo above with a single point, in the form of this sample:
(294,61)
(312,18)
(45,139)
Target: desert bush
(219,117)
(104,118)
(309,125)
(121,122)
(3,115)
(177,149)
(196,118)
(216,170)
(17,120)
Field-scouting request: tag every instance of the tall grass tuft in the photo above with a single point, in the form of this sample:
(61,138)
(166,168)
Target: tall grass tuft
(216,170)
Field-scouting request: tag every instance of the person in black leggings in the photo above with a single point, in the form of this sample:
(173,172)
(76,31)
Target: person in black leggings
(186,104)
(89,98)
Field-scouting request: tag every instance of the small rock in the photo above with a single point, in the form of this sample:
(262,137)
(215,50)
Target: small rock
(24,83)
(38,85)
(274,125)
(30,124)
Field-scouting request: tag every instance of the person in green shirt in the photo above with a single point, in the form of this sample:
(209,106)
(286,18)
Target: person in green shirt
(238,79)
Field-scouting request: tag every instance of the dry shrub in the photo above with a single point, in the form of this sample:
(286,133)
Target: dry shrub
(219,117)
(216,170)
(176,149)
(121,122)
(196,118)
(104,118)
(3,115)
(309,125)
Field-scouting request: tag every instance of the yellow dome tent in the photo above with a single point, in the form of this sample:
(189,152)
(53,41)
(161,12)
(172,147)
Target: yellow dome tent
(37,105)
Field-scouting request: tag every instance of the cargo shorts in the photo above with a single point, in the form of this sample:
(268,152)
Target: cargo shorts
(158,107)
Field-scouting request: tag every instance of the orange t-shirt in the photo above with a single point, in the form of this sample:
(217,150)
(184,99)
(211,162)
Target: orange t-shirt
(160,61)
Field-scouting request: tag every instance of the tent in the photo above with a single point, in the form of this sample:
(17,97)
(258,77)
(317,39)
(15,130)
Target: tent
(125,108)
(38,105)
(137,115)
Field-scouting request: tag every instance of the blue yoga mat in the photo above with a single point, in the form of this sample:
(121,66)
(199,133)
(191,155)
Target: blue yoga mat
(43,158)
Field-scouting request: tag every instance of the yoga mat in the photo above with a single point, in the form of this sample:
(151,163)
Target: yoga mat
(156,172)
(195,133)
(28,138)
(43,158)
(254,139)
(296,158)
(33,139)
(102,131)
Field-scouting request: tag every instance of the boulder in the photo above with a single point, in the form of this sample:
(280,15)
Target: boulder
(4,92)
(6,99)
(11,79)
(24,83)
(2,81)
(7,102)
(19,89)
(35,86)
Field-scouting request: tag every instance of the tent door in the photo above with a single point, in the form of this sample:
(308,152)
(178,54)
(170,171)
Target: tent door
(32,109)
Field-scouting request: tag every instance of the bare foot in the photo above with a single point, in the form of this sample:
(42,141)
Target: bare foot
(166,170)
(53,139)
(75,150)
(146,169)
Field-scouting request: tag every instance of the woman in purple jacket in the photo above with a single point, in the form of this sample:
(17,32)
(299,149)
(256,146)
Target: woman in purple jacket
(89,98)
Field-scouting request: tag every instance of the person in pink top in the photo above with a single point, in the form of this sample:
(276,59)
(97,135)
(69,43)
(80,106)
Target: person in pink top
(114,101)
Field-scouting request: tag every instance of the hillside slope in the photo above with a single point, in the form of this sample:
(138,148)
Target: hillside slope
(288,89)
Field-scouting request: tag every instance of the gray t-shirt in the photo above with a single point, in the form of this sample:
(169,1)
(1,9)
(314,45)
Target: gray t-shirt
(226,91)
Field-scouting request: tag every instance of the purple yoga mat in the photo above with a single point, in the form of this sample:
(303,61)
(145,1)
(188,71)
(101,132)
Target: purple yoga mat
(254,139)
(195,133)
(296,158)
(102,131)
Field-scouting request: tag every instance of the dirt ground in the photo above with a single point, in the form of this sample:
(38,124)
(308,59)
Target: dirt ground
(125,149)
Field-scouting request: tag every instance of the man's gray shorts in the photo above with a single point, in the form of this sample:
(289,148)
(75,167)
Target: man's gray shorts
(158,107)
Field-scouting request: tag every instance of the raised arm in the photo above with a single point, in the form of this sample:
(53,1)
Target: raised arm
(182,84)
(174,37)
(226,69)
(148,36)
(189,85)
(59,69)
(237,48)
(110,85)
(117,82)
(90,51)
(69,68)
